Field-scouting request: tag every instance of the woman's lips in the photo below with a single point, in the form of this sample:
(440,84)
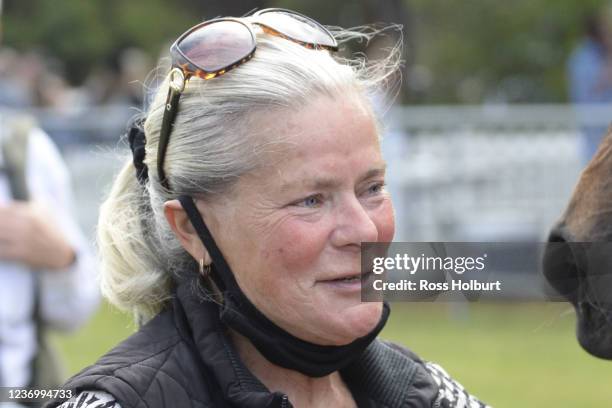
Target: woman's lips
(350,283)
(344,277)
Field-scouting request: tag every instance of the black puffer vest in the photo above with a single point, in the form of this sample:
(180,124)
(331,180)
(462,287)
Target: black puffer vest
(184,358)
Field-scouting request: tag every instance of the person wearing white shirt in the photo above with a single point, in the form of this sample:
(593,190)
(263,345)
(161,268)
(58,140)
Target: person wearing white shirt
(40,244)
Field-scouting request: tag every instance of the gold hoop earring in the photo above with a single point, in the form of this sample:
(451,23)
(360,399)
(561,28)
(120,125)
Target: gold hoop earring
(204,269)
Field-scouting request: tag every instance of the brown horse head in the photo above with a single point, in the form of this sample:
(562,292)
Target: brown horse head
(578,258)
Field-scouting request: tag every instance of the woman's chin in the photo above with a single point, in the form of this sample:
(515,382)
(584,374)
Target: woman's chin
(356,321)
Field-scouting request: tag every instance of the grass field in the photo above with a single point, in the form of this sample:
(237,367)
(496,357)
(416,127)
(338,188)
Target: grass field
(511,356)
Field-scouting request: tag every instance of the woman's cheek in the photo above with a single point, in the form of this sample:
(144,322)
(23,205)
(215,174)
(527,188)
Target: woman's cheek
(385,222)
(298,245)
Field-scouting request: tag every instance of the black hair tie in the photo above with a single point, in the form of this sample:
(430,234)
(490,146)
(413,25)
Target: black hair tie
(137,140)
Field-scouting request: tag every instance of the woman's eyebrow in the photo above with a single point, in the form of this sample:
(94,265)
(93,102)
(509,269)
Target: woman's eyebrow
(374,172)
(329,183)
(321,183)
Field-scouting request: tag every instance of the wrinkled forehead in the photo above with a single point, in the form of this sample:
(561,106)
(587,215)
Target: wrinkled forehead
(290,123)
(323,126)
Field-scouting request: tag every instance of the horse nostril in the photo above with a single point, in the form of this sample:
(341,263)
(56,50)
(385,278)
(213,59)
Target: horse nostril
(560,265)
(556,235)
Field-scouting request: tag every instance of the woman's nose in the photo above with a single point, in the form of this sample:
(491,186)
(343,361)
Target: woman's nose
(354,224)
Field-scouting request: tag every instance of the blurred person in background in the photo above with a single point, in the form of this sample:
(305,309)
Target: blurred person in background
(47,269)
(589,72)
(14,91)
(120,80)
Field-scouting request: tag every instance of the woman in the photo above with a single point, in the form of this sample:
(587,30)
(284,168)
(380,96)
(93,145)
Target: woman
(239,225)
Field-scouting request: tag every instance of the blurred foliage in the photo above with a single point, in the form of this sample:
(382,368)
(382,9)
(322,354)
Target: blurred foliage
(477,50)
(468,52)
(88,34)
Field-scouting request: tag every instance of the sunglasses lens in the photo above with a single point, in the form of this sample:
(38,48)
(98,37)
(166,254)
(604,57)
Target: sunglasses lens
(297,27)
(218,45)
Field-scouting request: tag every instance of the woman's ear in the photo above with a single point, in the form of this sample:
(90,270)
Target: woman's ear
(181,225)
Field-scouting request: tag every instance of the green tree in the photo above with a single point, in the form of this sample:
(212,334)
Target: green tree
(488,49)
(456,51)
(85,34)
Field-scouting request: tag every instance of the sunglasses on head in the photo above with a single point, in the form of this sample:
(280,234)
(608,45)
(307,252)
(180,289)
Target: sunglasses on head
(214,47)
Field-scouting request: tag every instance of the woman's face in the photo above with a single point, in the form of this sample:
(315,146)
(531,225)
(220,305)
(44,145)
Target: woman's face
(292,230)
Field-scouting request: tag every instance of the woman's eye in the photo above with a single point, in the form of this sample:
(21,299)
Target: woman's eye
(376,188)
(312,201)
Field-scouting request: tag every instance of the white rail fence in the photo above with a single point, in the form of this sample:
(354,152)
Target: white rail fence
(485,173)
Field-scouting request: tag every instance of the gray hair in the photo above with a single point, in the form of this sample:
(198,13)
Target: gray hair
(212,145)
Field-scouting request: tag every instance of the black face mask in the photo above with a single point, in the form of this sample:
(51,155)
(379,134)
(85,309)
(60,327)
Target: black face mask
(274,343)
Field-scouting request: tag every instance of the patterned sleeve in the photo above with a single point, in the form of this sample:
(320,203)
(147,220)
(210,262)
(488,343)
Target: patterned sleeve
(451,394)
(91,399)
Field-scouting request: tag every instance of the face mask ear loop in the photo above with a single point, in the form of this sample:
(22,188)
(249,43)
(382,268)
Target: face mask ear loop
(218,261)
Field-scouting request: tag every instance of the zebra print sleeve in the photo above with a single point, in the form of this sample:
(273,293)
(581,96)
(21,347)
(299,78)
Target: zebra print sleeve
(91,399)
(451,394)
